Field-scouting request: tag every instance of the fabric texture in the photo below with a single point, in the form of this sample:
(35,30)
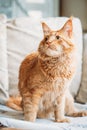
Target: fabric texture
(20,44)
(24,36)
(14,119)
(82,94)
(3,61)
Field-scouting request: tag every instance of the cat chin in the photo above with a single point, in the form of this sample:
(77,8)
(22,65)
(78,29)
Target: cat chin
(52,53)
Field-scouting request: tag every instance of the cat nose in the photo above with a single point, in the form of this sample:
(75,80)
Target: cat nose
(48,42)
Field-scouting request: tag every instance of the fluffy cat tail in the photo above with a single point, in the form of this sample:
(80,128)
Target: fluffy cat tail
(15,103)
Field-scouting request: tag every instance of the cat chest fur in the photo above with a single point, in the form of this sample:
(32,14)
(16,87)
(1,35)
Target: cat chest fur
(58,76)
(55,90)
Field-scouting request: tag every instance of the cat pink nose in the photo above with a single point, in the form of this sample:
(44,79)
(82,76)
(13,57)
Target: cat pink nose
(48,42)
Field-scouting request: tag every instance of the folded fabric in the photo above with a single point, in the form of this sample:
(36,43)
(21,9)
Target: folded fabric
(3,61)
(14,119)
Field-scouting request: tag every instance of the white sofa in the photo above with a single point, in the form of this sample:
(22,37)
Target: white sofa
(21,38)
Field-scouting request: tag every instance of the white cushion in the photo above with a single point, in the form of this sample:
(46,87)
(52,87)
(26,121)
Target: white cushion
(82,94)
(24,36)
(3,61)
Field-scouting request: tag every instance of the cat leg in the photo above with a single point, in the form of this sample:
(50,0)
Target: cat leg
(59,110)
(30,106)
(78,113)
(70,108)
(46,113)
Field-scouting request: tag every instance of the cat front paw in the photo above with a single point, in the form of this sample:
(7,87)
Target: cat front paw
(82,113)
(79,114)
(63,120)
(29,118)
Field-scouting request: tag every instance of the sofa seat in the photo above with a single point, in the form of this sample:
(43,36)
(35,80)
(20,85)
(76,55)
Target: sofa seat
(23,37)
(14,119)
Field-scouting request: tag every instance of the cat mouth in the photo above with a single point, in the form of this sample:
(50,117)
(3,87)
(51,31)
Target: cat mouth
(52,47)
(51,52)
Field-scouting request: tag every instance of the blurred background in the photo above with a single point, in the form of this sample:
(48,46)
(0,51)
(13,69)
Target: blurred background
(45,8)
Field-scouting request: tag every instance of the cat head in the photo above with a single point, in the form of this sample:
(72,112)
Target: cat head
(57,42)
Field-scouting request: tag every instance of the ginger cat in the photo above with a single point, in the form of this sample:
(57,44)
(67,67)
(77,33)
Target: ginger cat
(45,76)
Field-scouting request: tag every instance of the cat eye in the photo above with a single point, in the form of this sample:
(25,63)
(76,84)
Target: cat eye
(46,38)
(57,37)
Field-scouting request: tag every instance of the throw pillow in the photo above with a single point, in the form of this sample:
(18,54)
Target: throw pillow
(82,94)
(24,35)
(3,61)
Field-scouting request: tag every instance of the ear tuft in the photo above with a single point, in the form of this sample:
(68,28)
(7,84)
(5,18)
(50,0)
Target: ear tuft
(68,27)
(46,29)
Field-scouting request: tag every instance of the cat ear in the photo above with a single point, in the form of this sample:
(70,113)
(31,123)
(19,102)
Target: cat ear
(46,29)
(67,28)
